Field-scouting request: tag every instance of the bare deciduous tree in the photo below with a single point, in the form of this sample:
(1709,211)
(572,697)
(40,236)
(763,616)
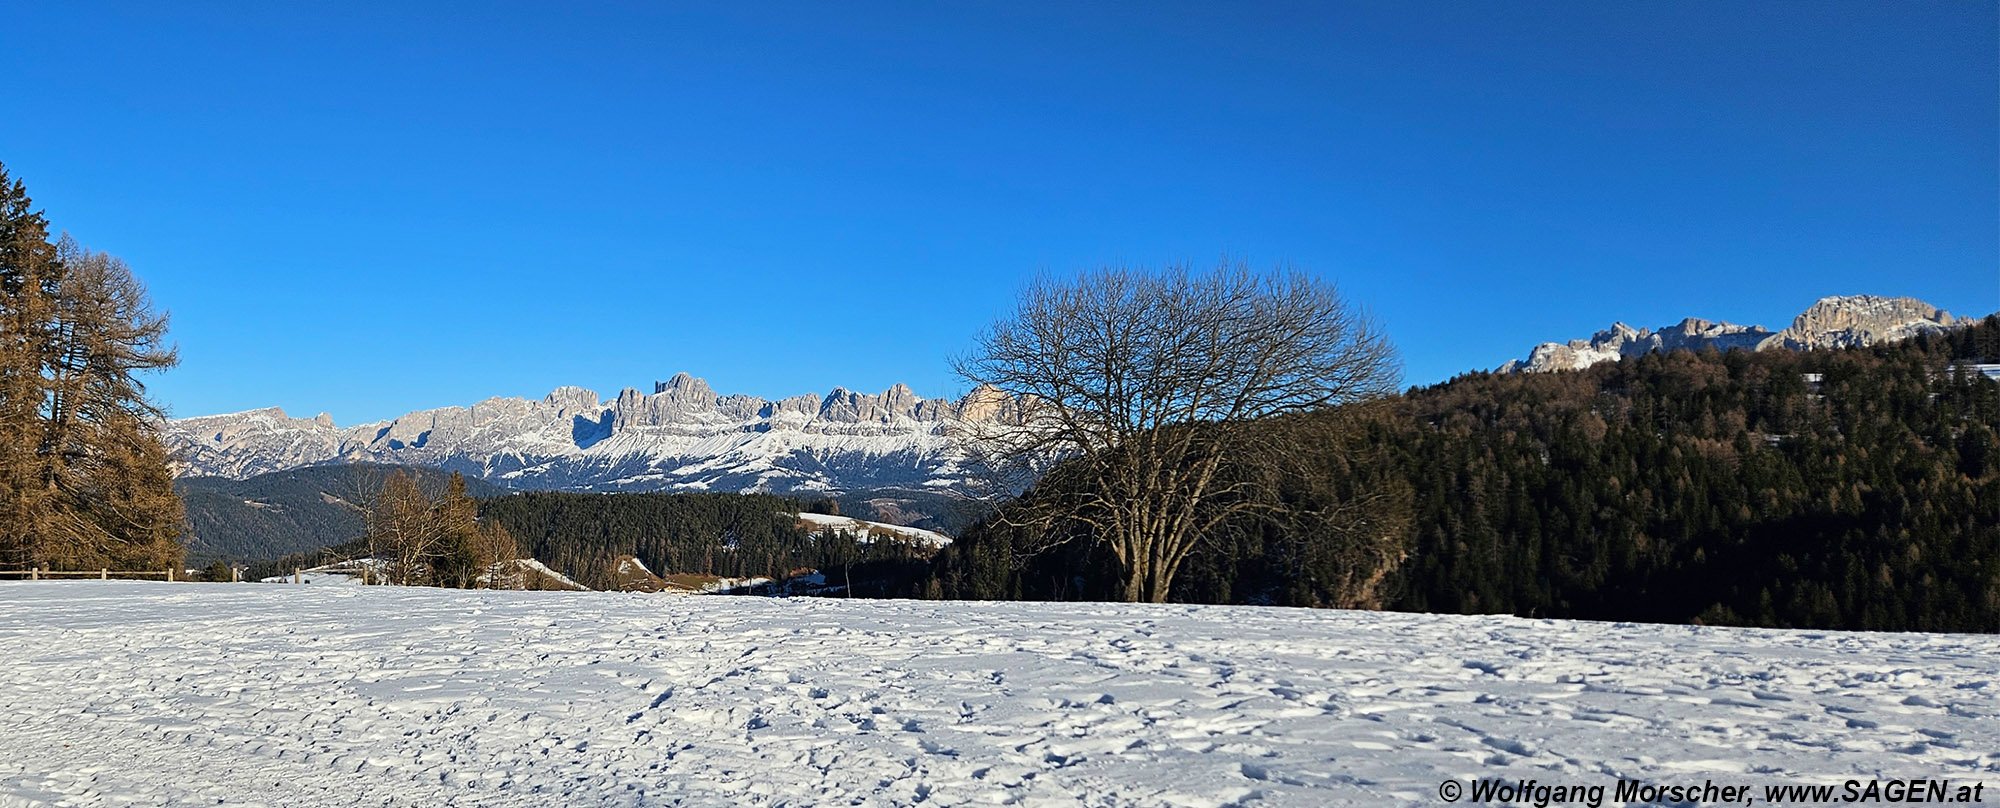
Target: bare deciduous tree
(404,529)
(1147,385)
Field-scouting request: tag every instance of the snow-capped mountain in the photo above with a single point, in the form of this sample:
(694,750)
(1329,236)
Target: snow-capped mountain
(1833,322)
(682,436)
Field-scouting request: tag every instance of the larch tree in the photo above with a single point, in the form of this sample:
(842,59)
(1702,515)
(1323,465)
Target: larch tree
(84,479)
(493,547)
(404,528)
(1142,391)
(101,456)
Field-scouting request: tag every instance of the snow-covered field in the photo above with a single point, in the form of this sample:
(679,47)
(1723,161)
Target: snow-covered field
(153,693)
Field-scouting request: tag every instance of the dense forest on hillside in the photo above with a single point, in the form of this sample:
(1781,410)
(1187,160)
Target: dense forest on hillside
(732,535)
(1836,489)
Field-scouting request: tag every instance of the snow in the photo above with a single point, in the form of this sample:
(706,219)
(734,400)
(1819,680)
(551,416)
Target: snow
(349,573)
(720,584)
(157,694)
(557,577)
(340,572)
(860,528)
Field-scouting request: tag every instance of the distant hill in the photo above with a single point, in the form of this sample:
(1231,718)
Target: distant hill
(1837,487)
(293,511)
(299,512)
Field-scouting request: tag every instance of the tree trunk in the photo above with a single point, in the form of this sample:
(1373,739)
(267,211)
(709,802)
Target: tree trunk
(1147,581)
(1158,584)
(1135,583)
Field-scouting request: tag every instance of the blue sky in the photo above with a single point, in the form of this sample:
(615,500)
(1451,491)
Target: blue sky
(367,210)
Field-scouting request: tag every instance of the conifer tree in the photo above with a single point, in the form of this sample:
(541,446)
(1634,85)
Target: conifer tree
(27,281)
(84,479)
(457,562)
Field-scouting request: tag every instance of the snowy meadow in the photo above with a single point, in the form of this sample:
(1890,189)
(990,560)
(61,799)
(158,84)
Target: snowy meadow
(149,693)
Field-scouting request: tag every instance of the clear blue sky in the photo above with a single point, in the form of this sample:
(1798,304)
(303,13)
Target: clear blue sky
(368,210)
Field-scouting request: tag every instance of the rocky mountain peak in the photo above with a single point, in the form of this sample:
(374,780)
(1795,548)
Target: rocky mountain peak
(1832,322)
(1690,326)
(571,399)
(1854,320)
(987,404)
(684,387)
(1619,332)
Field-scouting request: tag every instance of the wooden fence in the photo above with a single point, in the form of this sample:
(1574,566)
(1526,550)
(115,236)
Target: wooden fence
(103,574)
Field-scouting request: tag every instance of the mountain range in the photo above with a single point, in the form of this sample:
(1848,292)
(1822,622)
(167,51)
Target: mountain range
(683,436)
(1832,322)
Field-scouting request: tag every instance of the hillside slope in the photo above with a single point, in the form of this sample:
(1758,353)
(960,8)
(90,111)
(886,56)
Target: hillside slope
(1854,488)
(293,511)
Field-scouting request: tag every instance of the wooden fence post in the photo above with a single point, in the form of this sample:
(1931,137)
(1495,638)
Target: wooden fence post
(103,574)
(170,575)
(298,577)
(34,573)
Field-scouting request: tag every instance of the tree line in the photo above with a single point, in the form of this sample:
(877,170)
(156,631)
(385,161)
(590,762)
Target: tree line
(417,529)
(729,535)
(84,481)
(1830,489)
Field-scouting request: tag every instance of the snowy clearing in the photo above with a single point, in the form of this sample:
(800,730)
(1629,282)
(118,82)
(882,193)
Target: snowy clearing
(519,573)
(250,694)
(864,530)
